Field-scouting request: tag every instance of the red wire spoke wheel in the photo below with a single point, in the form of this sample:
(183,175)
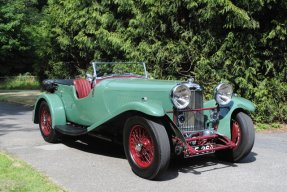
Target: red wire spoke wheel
(46,120)
(235,133)
(243,135)
(147,146)
(141,146)
(45,124)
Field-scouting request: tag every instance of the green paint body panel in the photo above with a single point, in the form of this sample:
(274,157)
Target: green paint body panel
(56,108)
(227,111)
(112,97)
(115,96)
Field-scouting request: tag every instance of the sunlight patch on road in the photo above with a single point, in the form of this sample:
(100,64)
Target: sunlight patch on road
(53,147)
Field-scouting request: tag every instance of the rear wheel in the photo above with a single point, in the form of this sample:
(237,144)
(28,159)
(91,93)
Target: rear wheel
(147,147)
(45,124)
(243,135)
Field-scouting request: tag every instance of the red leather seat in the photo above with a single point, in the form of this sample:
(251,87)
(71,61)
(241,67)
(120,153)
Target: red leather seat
(83,87)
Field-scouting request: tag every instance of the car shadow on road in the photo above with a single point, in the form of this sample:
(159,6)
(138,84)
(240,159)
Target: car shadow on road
(10,116)
(96,146)
(13,109)
(195,165)
(201,164)
(6,128)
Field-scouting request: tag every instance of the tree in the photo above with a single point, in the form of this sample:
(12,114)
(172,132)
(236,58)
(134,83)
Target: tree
(18,35)
(243,42)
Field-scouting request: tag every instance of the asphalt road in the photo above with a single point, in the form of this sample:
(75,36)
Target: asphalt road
(95,165)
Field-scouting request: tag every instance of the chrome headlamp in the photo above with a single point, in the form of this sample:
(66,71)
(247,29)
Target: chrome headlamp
(180,96)
(223,93)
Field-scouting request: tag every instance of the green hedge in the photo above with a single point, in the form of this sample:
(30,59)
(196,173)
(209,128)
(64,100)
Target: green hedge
(243,41)
(25,81)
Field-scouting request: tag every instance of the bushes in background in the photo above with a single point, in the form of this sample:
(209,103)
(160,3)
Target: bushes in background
(243,42)
(25,81)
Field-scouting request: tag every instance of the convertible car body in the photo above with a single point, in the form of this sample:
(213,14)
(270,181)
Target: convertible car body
(153,119)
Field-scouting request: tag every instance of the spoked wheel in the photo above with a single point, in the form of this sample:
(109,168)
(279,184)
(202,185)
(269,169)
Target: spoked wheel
(147,147)
(235,132)
(141,146)
(45,124)
(243,135)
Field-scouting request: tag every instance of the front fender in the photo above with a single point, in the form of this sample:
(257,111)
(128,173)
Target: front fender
(226,111)
(149,108)
(56,107)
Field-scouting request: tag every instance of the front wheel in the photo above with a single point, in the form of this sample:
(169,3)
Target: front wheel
(243,135)
(146,146)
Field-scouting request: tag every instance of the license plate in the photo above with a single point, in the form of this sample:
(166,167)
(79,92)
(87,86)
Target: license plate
(203,147)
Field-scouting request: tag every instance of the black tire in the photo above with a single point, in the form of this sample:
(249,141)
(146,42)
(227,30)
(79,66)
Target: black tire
(45,124)
(150,155)
(244,143)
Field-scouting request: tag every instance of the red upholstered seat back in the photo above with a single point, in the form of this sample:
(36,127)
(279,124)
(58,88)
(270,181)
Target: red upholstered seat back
(83,87)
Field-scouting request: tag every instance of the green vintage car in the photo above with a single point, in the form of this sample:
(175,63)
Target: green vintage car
(153,119)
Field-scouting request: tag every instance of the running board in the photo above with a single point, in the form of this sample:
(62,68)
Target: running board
(71,130)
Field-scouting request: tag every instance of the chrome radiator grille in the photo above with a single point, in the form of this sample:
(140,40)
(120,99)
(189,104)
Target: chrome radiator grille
(191,121)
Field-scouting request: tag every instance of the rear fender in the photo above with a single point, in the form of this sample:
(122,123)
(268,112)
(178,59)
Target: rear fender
(56,107)
(226,111)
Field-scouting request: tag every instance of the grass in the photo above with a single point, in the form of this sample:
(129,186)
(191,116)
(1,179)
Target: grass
(25,97)
(272,126)
(18,176)
(25,81)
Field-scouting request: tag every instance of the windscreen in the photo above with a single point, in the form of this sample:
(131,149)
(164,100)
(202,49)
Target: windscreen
(104,69)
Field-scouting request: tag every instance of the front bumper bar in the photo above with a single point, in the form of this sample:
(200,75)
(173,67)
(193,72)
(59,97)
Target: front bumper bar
(214,142)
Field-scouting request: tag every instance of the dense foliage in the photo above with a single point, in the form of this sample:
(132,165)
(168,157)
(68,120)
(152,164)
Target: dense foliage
(243,42)
(19,35)
(22,81)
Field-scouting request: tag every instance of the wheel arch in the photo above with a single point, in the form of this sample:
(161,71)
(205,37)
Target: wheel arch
(56,107)
(164,120)
(36,110)
(116,124)
(238,104)
(238,110)
(225,123)
(148,108)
